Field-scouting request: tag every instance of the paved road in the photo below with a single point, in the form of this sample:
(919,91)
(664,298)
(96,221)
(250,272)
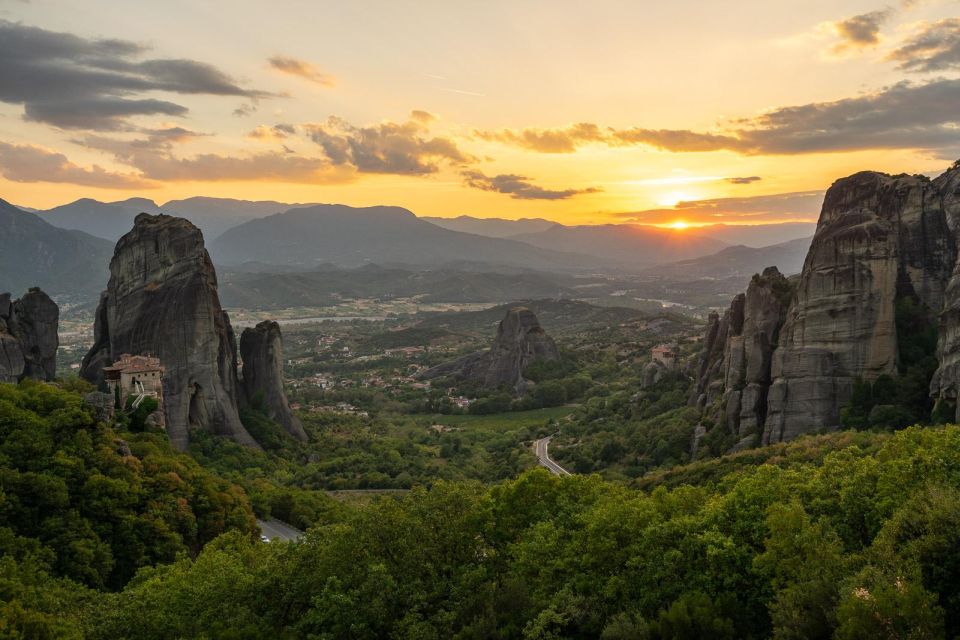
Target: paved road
(540,448)
(276,530)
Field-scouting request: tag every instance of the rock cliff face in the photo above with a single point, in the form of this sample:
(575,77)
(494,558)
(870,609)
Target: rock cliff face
(28,337)
(162,300)
(261,350)
(790,366)
(735,372)
(879,238)
(520,341)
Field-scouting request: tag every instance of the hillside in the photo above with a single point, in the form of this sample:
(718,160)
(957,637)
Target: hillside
(739,261)
(348,236)
(34,253)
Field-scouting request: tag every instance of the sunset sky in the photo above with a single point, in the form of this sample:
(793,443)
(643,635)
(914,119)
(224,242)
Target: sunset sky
(577,112)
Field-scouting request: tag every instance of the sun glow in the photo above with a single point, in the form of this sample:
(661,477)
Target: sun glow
(679,225)
(674,198)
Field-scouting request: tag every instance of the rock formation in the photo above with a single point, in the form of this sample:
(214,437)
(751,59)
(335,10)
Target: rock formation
(28,337)
(779,364)
(261,350)
(520,341)
(162,300)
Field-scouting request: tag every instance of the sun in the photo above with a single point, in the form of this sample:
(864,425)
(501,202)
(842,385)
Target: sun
(679,225)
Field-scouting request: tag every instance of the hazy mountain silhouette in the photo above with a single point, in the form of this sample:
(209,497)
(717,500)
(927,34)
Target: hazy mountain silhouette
(636,245)
(110,220)
(348,236)
(492,227)
(739,261)
(34,253)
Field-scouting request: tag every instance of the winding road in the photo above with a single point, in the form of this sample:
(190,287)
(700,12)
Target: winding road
(276,530)
(540,448)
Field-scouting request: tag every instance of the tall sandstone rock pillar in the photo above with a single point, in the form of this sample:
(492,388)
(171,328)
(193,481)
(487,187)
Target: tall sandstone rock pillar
(28,337)
(261,350)
(879,237)
(162,300)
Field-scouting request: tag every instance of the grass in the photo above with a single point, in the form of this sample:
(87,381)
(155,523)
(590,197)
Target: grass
(506,421)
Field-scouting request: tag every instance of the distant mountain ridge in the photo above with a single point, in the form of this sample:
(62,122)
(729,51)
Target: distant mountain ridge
(739,261)
(636,245)
(492,227)
(110,220)
(353,236)
(34,253)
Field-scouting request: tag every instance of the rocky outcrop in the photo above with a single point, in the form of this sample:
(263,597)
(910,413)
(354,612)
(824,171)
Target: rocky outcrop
(735,374)
(520,341)
(790,367)
(28,337)
(879,238)
(162,300)
(261,350)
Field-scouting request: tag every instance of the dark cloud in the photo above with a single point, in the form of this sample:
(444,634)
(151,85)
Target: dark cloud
(561,140)
(903,116)
(76,83)
(935,47)
(675,140)
(406,149)
(743,180)
(861,31)
(803,205)
(518,187)
(301,69)
(27,163)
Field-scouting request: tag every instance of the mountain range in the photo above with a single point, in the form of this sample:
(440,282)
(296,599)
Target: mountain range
(110,220)
(353,236)
(34,253)
(316,249)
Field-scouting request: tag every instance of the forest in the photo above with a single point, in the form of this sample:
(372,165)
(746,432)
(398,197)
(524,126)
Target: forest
(108,534)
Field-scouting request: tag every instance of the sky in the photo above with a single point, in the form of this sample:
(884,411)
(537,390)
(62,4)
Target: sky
(671,113)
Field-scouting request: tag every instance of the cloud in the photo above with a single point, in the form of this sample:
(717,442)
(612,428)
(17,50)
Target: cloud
(274,133)
(743,180)
(301,69)
(934,47)
(676,140)
(860,31)
(906,115)
(518,187)
(405,149)
(781,207)
(155,159)
(28,163)
(561,140)
(76,83)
